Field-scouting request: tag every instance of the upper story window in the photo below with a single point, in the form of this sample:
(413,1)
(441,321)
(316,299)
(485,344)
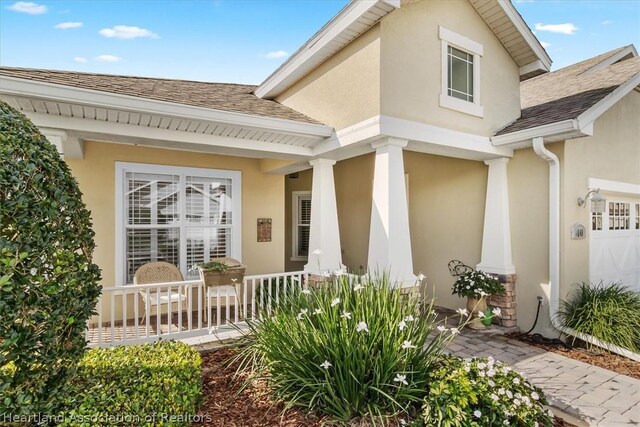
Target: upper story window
(183,216)
(460,73)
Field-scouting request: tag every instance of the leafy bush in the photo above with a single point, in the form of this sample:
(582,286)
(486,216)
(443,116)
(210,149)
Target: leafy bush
(48,283)
(347,349)
(608,312)
(477,284)
(160,380)
(479,393)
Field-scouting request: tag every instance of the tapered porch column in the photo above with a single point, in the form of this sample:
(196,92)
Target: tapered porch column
(325,254)
(496,241)
(389,237)
(496,237)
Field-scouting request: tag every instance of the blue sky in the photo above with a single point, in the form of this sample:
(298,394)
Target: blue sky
(244,41)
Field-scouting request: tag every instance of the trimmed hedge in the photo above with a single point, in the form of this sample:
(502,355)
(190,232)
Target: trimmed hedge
(48,282)
(148,384)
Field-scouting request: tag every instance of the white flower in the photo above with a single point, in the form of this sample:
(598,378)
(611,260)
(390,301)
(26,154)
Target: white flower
(295,279)
(357,287)
(325,364)
(402,325)
(535,396)
(441,328)
(407,344)
(501,391)
(304,311)
(495,397)
(317,311)
(491,373)
(33,271)
(317,252)
(505,423)
(516,381)
(535,424)
(462,312)
(335,302)
(516,402)
(409,318)
(306,291)
(483,293)
(326,274)
(482,365)
(421,277)
(454,331)
(362,326)
(346,315)
(509,394)
(497,312)
(401,379)
(299,316)
(403,422)
(480,314)
(477,414)
(491,383)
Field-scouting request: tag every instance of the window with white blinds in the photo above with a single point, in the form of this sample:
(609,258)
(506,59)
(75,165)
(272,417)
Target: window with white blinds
(183,216)
(301,221)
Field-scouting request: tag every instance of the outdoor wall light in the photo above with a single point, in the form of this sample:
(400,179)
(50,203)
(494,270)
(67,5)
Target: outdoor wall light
(598,203)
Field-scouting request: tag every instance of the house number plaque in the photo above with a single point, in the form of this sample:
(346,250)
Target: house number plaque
(264,229)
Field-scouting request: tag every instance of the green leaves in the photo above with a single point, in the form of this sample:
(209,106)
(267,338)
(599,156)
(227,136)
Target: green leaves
(46,293)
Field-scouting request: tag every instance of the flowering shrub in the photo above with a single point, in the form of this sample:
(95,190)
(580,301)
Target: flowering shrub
(477,284)
(482,392)
(348,348)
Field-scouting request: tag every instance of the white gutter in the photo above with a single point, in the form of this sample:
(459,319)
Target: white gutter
(554,253)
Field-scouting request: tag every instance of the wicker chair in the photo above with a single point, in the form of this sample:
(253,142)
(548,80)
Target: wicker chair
(160,272)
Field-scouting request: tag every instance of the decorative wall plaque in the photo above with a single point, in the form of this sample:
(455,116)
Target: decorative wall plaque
(264,229)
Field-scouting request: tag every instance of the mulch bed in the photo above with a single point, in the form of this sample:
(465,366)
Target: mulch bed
(578,351)
(227,405)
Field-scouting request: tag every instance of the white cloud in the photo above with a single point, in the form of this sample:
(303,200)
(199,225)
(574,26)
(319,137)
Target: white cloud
(545,44)
(606,22)
(68,25)
(107,58)
(567,28)
(276,54)
(126,33)
(80,59)
(28,7)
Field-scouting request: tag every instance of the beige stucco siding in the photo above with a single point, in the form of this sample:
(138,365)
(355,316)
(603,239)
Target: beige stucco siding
(411,68)
(612,153)
(262,197)
(345,89)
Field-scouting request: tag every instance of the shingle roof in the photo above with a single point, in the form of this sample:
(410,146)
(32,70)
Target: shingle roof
(237,98)
(569,92)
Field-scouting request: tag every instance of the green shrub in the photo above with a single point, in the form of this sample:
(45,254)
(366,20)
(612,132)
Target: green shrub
(608,312)
(347,349)
(482,393)
(162,379)
(48,283)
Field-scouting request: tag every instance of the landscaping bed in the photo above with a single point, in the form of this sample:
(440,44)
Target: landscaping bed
(578,351)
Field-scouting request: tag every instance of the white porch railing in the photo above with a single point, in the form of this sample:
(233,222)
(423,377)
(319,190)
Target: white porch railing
(181,310)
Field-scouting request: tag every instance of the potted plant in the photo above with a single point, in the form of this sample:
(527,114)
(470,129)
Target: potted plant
(222,271)
(476,286)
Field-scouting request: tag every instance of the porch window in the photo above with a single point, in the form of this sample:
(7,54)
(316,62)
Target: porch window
(183,216)
(301,221)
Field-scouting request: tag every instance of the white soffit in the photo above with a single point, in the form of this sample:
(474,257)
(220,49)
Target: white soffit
(351,22)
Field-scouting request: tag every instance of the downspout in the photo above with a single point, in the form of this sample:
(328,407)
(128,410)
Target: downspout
(554,253)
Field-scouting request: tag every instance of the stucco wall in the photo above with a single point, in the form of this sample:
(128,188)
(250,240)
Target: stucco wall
(612,153)
(262,197)
(410,69)
(301,183)
(345,89)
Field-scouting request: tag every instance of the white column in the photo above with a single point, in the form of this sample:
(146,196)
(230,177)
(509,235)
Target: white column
(324,232)
(496,237)
(389,237)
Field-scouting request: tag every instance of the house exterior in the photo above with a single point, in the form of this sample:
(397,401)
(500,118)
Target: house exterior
(404,134)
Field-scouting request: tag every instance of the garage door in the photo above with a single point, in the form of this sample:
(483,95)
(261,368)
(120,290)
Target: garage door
(614,249)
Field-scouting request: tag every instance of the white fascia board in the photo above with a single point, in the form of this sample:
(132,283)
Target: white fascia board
(526,33)
(567,128)
(589,116)
(123,131)
(289,71)
(614,186)
(531,67)
(629,50)
(73,95)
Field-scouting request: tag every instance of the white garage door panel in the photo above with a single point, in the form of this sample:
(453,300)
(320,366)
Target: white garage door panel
(615,254)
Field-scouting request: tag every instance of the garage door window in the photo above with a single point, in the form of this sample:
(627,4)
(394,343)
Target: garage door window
(619,216)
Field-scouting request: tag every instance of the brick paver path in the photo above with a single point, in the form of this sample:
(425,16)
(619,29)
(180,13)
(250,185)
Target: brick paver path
(594,395)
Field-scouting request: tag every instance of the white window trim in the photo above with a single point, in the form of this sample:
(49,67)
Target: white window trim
(295,199)
(122,168)
(450,38)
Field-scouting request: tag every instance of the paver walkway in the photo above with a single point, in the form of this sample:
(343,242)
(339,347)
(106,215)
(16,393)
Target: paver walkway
(596,396)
